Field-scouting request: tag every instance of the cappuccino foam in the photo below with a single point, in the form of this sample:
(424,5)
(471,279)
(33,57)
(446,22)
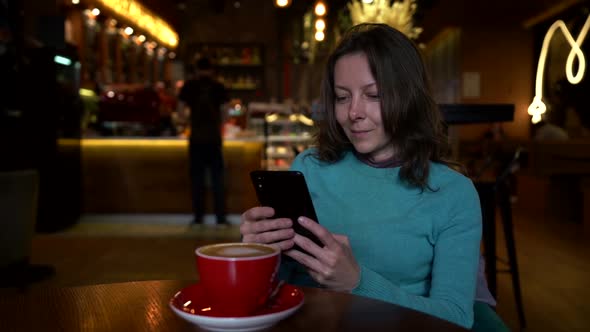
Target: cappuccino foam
(245,250)
(240,251)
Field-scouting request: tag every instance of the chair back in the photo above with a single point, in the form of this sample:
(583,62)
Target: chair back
(18,213)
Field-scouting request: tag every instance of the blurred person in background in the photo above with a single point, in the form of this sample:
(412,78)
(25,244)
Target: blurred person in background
(205,97)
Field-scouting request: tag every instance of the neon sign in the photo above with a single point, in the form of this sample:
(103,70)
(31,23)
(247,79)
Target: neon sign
(538,107)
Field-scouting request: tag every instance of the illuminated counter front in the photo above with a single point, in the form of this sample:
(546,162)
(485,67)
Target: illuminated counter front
(152,175)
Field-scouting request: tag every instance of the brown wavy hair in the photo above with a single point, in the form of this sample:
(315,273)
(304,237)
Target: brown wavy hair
(410,115)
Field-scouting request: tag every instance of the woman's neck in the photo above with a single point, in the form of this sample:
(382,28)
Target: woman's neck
(390,162)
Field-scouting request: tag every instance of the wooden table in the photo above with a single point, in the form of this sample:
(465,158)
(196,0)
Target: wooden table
(143,306)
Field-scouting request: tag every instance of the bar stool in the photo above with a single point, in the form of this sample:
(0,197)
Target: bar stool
(494,194)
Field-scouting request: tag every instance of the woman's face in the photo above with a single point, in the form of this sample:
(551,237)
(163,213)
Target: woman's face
(358,108)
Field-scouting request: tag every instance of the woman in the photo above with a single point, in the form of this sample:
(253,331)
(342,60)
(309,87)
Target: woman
(398,223)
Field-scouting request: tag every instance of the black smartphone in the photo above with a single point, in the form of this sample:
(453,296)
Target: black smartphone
(287,193)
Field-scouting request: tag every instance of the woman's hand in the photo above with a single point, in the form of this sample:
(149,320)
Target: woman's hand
(255,226)
(334,265)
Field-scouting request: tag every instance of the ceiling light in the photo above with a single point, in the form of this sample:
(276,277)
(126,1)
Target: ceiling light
(319,36)
(320,9)
(320,24)
(282,3)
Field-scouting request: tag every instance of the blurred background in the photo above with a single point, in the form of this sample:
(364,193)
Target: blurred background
(94,162)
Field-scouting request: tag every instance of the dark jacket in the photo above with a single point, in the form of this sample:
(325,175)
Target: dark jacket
(204,96)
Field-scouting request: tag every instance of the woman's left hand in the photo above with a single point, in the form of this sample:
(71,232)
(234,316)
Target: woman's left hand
(334,265)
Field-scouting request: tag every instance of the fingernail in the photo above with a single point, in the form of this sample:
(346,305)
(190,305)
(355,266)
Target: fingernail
(302,220)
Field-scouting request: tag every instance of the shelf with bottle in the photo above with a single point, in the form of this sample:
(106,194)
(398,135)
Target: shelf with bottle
(240,67)
(237,55)
(239,82)
(280,156)
(229,54)
(285,129)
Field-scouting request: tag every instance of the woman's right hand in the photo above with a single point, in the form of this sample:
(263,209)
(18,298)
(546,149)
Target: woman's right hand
(257,226)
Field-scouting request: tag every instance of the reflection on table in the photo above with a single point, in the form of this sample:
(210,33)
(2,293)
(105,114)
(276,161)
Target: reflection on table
(143,306)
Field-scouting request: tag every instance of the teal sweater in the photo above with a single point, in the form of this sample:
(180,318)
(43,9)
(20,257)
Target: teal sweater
(417,249)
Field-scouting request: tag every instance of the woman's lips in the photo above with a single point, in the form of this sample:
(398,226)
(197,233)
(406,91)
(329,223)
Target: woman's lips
(359,133)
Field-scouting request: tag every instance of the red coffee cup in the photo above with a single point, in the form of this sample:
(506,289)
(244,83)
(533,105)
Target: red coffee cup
(237,277)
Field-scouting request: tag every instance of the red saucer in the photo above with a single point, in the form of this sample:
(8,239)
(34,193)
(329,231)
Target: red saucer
(192,300)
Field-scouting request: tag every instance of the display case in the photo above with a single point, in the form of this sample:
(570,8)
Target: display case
(285,129)
(240,67)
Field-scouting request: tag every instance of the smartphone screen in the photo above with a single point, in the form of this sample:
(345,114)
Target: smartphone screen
(287,193)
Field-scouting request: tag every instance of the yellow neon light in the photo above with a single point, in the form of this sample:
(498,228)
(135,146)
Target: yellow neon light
(87,93)
(143,143)
(132,142)
(538,107)
(143,19)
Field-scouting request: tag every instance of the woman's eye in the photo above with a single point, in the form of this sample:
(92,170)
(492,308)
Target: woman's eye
(373,95)
(340,99)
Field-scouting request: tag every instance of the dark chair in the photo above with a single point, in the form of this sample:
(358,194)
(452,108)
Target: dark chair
(496,194)
(18,212)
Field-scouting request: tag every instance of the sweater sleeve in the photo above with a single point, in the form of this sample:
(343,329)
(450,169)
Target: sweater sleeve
(454,267)
(454,234)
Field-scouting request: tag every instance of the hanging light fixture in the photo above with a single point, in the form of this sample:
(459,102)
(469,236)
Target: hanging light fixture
(400,14)
(320,24)
(282,3)
(320,9)
(319,36)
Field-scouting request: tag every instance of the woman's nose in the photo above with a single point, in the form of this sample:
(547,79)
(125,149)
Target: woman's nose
(357,110)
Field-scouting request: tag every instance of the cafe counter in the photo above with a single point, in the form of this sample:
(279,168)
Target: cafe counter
(144,175)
